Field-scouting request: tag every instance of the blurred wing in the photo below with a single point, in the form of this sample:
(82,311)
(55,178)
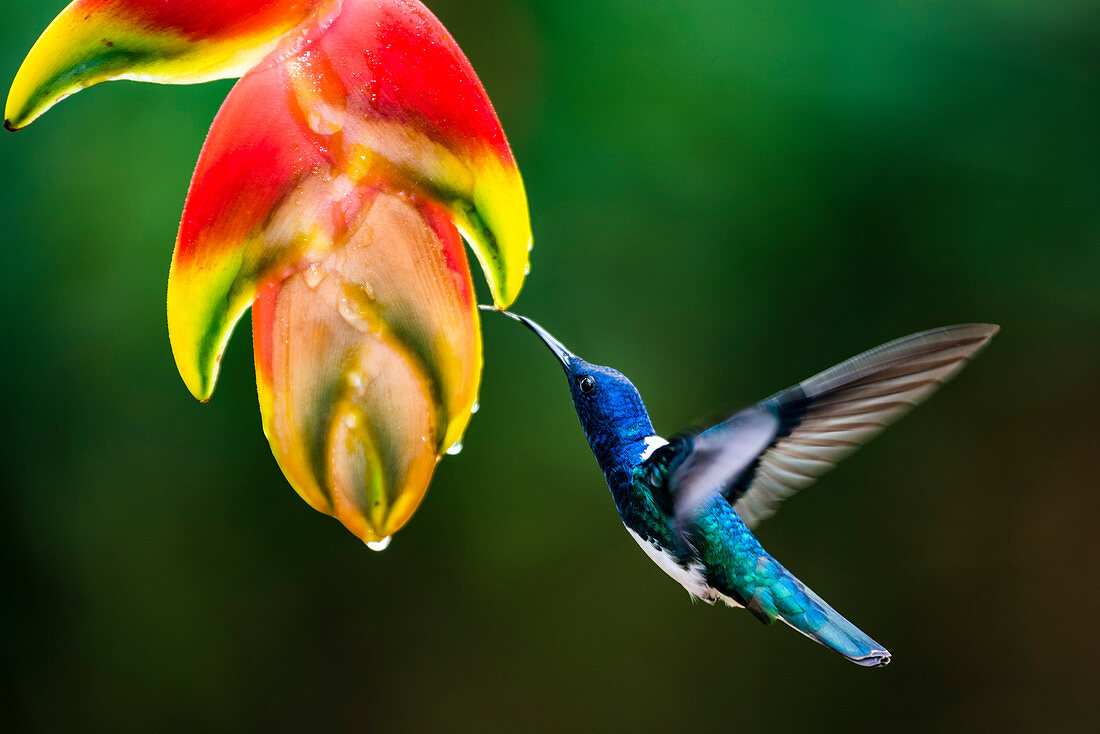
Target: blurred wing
(827,417)
(720,453)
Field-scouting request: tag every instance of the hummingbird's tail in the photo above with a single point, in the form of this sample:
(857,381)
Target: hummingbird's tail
(746,575)
(822,623)
(784,597)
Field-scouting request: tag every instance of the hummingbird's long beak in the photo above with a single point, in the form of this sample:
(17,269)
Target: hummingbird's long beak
(555,346)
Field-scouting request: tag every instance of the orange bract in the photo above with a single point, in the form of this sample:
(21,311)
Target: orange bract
(333,195)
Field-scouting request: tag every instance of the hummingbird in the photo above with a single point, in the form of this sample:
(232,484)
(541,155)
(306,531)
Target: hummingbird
(691,501)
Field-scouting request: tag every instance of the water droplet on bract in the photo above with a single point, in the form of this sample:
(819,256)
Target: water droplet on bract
(527,270)
(351,312)
(380,545)
(475,408)
(356,381)
(351,421)
(456,449)
(313,275)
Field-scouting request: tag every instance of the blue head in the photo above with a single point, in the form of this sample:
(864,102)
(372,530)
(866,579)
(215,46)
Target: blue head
(612,413)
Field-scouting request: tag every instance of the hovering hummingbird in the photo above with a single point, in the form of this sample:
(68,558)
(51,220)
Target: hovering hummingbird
(691,502)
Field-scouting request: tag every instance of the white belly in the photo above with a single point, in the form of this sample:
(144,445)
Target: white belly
(690,576)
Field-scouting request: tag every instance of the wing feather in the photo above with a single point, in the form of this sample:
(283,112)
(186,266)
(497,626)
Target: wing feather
(765,454)
(829,416)
(715,457)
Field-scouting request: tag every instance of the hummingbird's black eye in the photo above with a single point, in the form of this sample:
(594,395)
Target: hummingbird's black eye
(588,384)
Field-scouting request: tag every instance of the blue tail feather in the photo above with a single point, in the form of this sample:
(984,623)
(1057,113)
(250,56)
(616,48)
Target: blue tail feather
(808,613)
(739,569)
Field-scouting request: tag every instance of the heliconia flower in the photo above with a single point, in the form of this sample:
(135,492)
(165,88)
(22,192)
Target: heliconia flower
(166,41)
(332,195)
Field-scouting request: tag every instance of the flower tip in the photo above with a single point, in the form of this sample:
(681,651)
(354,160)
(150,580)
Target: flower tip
(199,385)
(504,297)
(202,393)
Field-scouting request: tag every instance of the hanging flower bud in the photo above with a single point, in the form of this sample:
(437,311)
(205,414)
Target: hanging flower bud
(332,195)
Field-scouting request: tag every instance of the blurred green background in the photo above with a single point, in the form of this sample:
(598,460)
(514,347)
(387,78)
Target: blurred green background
(727,196)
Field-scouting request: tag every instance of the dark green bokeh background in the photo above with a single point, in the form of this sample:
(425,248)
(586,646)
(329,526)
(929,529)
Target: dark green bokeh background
(727,196)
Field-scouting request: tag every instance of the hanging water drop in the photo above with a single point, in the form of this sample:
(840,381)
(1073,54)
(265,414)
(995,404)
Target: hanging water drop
(456,449)
(475,407)
(380,545)
(313,275)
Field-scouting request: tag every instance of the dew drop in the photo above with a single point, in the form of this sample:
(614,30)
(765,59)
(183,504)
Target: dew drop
(313,275)
(527,270)
(351,421)
(475,408)
(456,449)
(380,545)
